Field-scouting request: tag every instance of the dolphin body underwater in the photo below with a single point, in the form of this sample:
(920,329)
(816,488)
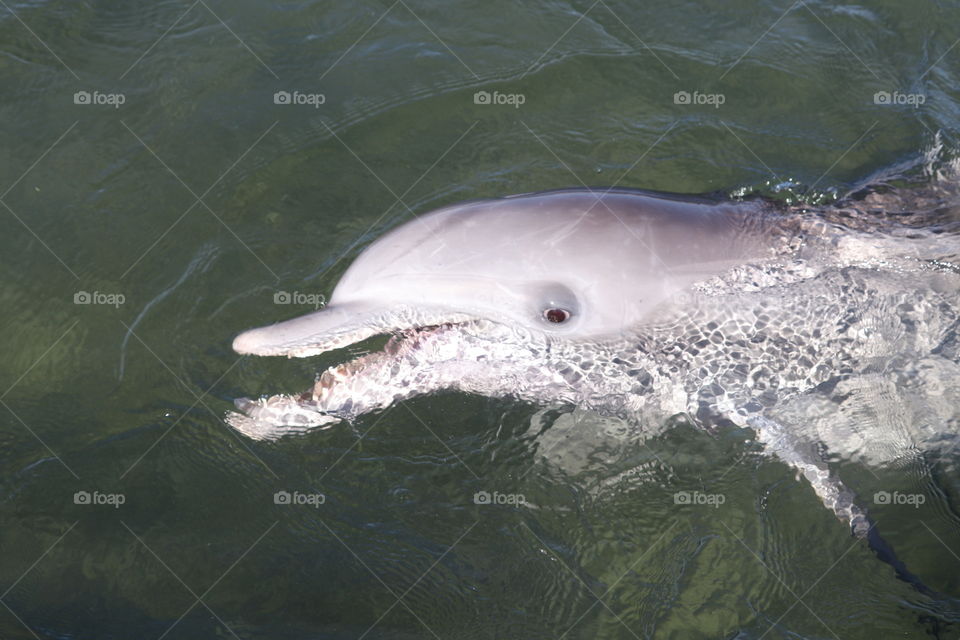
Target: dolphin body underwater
(644,305)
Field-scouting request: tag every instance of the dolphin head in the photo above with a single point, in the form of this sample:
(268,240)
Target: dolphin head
(561,268)
(561,265)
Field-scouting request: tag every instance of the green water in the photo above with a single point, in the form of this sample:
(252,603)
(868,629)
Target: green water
(199,198)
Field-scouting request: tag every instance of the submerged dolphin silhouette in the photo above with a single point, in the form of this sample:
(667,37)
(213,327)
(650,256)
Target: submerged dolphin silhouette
(631,303)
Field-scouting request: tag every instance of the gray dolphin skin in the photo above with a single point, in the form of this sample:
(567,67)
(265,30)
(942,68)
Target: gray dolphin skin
(642,306)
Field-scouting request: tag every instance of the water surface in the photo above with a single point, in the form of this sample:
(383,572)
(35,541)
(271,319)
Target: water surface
(184,211)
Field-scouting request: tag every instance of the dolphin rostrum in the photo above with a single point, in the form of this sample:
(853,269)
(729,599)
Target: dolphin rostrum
(636,304)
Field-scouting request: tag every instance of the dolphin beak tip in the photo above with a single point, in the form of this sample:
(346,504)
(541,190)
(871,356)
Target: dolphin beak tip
(247,343)
(314,333)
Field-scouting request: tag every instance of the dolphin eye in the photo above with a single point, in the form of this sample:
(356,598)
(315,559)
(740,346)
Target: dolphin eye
(556,315)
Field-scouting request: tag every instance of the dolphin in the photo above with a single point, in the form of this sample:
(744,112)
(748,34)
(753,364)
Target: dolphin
(640,305)
(518,296)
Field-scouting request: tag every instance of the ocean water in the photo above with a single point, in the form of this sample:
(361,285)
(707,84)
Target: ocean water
(174,173)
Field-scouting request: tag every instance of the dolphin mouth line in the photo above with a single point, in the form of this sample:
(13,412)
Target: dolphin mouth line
(410,339)
(341,325)
(403,342)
